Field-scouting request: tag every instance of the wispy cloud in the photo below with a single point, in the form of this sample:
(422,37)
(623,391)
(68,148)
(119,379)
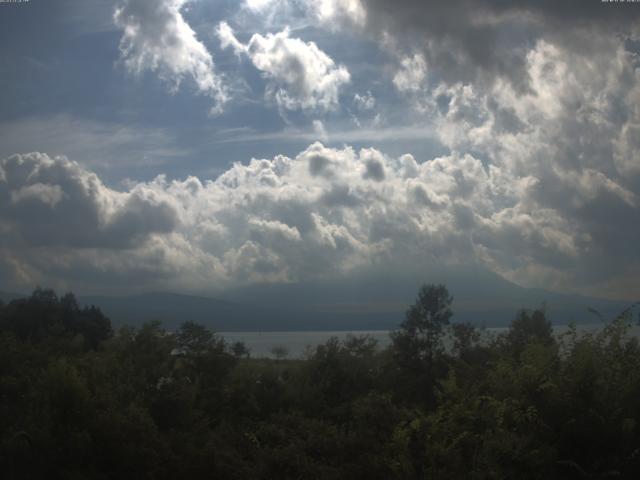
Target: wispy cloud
(101,145)
(347,135)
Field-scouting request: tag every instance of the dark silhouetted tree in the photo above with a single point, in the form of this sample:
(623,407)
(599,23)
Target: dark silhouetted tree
(240,350)
(44,315)
(420,335)
(418,347)
(529,327)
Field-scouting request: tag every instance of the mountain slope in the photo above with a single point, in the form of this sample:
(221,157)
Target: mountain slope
(367,303)
(6,297)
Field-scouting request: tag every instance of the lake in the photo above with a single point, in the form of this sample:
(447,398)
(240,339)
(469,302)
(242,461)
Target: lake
(260,344)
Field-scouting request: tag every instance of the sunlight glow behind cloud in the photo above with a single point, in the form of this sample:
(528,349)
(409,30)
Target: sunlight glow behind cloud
(491,133)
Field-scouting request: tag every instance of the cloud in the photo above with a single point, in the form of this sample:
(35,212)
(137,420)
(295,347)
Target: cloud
(328,11)
(300,75)
(570,135)
(99,144)
(534,106)
(47,194)
(412,74)
(156,37)
(365,101)
(258,4)
(374,165)
(229,40)
(53,202)
(320,131)
(321,214)
(481,41)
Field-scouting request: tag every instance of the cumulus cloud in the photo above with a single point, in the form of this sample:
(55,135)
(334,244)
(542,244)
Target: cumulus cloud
(47,194)
(258,4)
(412,74)
(299,74)
(480,41)
(328,11)
(569,133)
(323,213)
(156,37)
(56,203)
(545,93)
(534,103)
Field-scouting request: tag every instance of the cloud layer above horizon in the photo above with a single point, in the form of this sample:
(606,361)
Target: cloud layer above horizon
(533,106)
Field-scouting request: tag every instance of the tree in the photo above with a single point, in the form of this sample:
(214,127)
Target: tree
(196,339)
(465,337)
(529,327)
(420,335)
(280,352)
(44,315)
(417,347)
(240,349)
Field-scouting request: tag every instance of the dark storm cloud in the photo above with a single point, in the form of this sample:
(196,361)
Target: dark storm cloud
(480,40)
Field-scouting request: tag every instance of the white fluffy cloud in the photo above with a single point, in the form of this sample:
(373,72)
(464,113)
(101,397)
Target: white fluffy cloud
(320,214)
(572,135)
(299,74)
(328,11)
(535,104)
(156,37)
(412,74)
(258,4)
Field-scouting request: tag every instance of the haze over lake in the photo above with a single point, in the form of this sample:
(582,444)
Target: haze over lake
(297,344)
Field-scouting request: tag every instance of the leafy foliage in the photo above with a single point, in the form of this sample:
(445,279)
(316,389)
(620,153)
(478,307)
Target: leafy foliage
(78,401)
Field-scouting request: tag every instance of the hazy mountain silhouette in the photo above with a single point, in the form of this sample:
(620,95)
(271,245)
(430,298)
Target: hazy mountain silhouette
(480,297)
(6,297)
(365,302)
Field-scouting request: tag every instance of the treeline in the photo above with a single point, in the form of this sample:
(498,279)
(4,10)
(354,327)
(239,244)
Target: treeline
(79,401)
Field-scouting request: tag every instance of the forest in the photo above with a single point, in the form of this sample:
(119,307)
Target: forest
(444,400)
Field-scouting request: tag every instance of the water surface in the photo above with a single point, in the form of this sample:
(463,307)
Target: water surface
(296,343)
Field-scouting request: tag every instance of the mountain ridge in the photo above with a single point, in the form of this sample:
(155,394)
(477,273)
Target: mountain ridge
(360,302)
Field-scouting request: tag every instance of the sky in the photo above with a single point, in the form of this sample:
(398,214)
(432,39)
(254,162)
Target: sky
(205,145)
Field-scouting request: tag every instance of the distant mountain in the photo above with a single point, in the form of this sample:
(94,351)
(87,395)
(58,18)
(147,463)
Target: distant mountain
(480,297)
(369,302)
(171,309)
(6,297)
(221,315)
